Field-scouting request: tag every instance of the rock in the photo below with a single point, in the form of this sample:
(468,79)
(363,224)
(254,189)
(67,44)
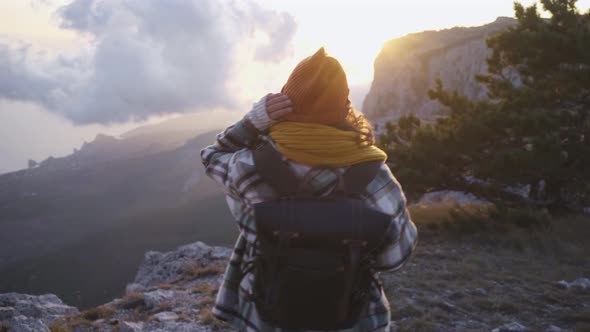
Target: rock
(158,268)
(6,313)
(586,210)
(27,324)
(393,326)
(473,180)
(220,253)
(49,298)
(161,286)
(130,326)
(448,306)
(554,328)
(511,327)
(480,291)
(26,309)
(133,287)
(166,316)
(55,309)
(155,298)
(177,327)
(449,196)
(580,284)
(521,190)
(10,299)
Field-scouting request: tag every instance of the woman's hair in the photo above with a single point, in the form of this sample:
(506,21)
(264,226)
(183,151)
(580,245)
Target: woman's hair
(357,122)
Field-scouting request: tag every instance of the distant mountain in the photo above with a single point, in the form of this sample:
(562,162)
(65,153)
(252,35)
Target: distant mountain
(185,126)
(66,217)
(408,66)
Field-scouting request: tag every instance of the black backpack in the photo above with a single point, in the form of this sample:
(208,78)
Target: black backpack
(313,254)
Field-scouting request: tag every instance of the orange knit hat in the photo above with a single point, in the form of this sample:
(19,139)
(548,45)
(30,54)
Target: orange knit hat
(318,90)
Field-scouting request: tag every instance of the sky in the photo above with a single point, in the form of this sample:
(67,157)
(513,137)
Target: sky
(70,69)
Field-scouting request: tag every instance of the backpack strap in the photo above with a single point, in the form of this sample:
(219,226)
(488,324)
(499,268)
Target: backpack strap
(358,176)
(275,171)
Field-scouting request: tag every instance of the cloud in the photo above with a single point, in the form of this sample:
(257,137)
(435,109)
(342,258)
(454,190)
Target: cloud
(146,57)
(18,80)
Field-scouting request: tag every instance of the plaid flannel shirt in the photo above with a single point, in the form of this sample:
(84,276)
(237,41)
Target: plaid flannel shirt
(229,161)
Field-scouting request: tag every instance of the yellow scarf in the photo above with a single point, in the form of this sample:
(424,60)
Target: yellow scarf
(314,144)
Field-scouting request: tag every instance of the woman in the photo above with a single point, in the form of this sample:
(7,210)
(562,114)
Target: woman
(312,124)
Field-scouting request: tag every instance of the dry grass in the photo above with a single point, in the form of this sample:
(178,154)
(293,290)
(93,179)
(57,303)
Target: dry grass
(164,306)
(436,213)
(205,301)
(206,317)
(131,300)
(451,217)
(135,315)
(59,327)
(184,317)
(204,288)
(4,327)
(79,321)
(167,286)
(194,271)
(474,217)
(100,312)
(524,230)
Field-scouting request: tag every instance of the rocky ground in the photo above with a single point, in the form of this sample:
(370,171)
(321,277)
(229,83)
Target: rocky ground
(473,287)
(452,284)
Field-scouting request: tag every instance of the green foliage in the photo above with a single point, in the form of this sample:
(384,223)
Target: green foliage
(534,126)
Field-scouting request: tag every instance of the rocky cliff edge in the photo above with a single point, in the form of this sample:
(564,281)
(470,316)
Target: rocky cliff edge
(172,291)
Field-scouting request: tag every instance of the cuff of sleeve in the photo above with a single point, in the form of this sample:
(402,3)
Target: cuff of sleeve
(259,117)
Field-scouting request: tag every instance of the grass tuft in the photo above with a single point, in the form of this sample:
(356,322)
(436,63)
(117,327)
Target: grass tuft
(59,327)
(195,271)
(100,312)
(132,300)
(206,317)
(204,288)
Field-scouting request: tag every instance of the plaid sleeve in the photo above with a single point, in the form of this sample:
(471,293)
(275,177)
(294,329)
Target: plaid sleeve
(385,194)
(219,157)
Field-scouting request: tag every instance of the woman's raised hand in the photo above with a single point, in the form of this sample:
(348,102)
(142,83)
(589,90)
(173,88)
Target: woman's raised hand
(278,105)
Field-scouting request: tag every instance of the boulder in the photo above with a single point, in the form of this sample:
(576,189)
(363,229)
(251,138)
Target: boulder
(23,323)
(45,308)
(579,284)
(130,326)
(158,268)
(449,196)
